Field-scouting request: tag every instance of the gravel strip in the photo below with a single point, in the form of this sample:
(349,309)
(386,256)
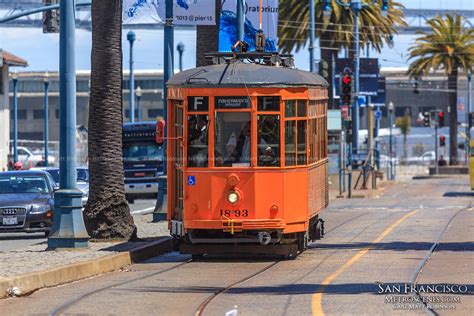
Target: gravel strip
(36,258)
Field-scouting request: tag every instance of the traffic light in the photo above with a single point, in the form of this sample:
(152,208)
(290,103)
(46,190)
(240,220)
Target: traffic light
(441,119)
(346,89)
(50,18)
(442,141)
(323,69)
(416,88)
(426,119)
(348,125)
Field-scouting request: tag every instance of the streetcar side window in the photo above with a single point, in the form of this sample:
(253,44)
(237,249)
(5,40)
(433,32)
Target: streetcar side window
(290,143)
(290,108)
(232,139)
(198,140)
(301,159)
(268,141)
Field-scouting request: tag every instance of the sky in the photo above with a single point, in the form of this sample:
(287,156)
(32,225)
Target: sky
(42,50)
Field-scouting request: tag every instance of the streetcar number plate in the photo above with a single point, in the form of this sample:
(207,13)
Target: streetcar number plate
(235,213)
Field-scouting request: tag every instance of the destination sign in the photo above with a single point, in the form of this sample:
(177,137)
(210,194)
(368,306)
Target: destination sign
(232,102)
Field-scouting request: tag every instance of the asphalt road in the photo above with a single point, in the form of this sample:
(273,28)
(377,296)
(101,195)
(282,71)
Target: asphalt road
(15,241)
(370,244)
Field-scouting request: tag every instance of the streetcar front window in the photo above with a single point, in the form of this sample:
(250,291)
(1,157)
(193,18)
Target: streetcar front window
(232,139)
(198,140)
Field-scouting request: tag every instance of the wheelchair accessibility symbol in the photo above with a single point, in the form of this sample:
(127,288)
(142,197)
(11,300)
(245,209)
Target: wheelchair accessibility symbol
(191,180)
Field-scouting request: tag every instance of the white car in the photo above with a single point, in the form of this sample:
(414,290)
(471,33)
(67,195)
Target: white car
(425,159)
(29,159)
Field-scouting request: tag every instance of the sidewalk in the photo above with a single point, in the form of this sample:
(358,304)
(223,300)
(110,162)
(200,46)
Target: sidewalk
(100,257)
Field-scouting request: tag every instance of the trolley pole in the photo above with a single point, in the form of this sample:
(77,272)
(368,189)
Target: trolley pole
(311,35)
(68,230)
(160,208)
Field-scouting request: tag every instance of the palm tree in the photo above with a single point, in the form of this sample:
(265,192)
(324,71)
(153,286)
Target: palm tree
(336,32)
(107,214)
(449,47)
(404,124)
(207,38)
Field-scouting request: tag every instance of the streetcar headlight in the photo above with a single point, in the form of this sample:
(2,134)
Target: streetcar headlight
(232,197)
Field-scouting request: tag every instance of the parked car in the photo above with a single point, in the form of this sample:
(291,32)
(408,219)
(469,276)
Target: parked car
(425,159)
(26,201)
(82,180)
(29,159)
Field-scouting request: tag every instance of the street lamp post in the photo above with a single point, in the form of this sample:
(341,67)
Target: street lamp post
(138,93)
(15,116)
(131,38)
(46,118)
(390,124)
(240,20)
(180,49)
(311,35)
(468,110)
(68,230)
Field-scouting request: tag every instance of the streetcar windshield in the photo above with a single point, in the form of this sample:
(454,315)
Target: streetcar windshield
(232,139)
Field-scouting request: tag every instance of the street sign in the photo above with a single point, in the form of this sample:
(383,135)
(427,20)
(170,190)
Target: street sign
(378,115)
(380,99)
(368,74)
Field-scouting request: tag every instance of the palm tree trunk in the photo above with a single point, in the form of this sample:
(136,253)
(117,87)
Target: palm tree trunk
(107,212)
(453,117)
(207,38)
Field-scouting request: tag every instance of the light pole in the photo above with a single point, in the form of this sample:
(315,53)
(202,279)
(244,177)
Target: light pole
(468,110)
(311,35)
(131,37)
(68,230)
(390,124)
(15,116)
(46,118)
(138,93)
(240,20)
(355,6)
(180,49)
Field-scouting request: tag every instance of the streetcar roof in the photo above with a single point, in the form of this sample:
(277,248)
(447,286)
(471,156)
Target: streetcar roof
(240,74)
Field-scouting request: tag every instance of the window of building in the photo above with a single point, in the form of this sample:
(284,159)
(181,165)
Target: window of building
(21,114)
(154,113)
(127,113)
(38,114)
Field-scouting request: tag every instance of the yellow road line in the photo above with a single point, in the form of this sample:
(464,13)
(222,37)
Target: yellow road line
(316,305)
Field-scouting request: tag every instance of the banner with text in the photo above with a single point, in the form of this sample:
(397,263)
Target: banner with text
(185,12)
(228,24)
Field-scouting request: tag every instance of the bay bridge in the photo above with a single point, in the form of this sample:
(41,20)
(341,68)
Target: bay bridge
(415,18)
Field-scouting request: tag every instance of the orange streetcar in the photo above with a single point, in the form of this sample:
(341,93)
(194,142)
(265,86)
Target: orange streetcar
(247,156)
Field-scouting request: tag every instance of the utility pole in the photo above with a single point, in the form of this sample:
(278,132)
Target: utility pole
(68,230)
(390,155)
(15,116)
(311,35)
(240,20)
(467,111)
(46,118)
(131,37)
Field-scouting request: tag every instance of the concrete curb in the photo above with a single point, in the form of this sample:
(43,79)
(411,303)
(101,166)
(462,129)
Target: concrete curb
(28,283)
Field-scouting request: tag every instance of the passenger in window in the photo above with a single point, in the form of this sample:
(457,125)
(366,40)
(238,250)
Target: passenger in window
(243,144)
(198,142)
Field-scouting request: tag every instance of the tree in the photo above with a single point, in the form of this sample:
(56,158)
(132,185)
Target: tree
(449,47)
(107,214)
(207,38)
(404,123)
(336,32)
